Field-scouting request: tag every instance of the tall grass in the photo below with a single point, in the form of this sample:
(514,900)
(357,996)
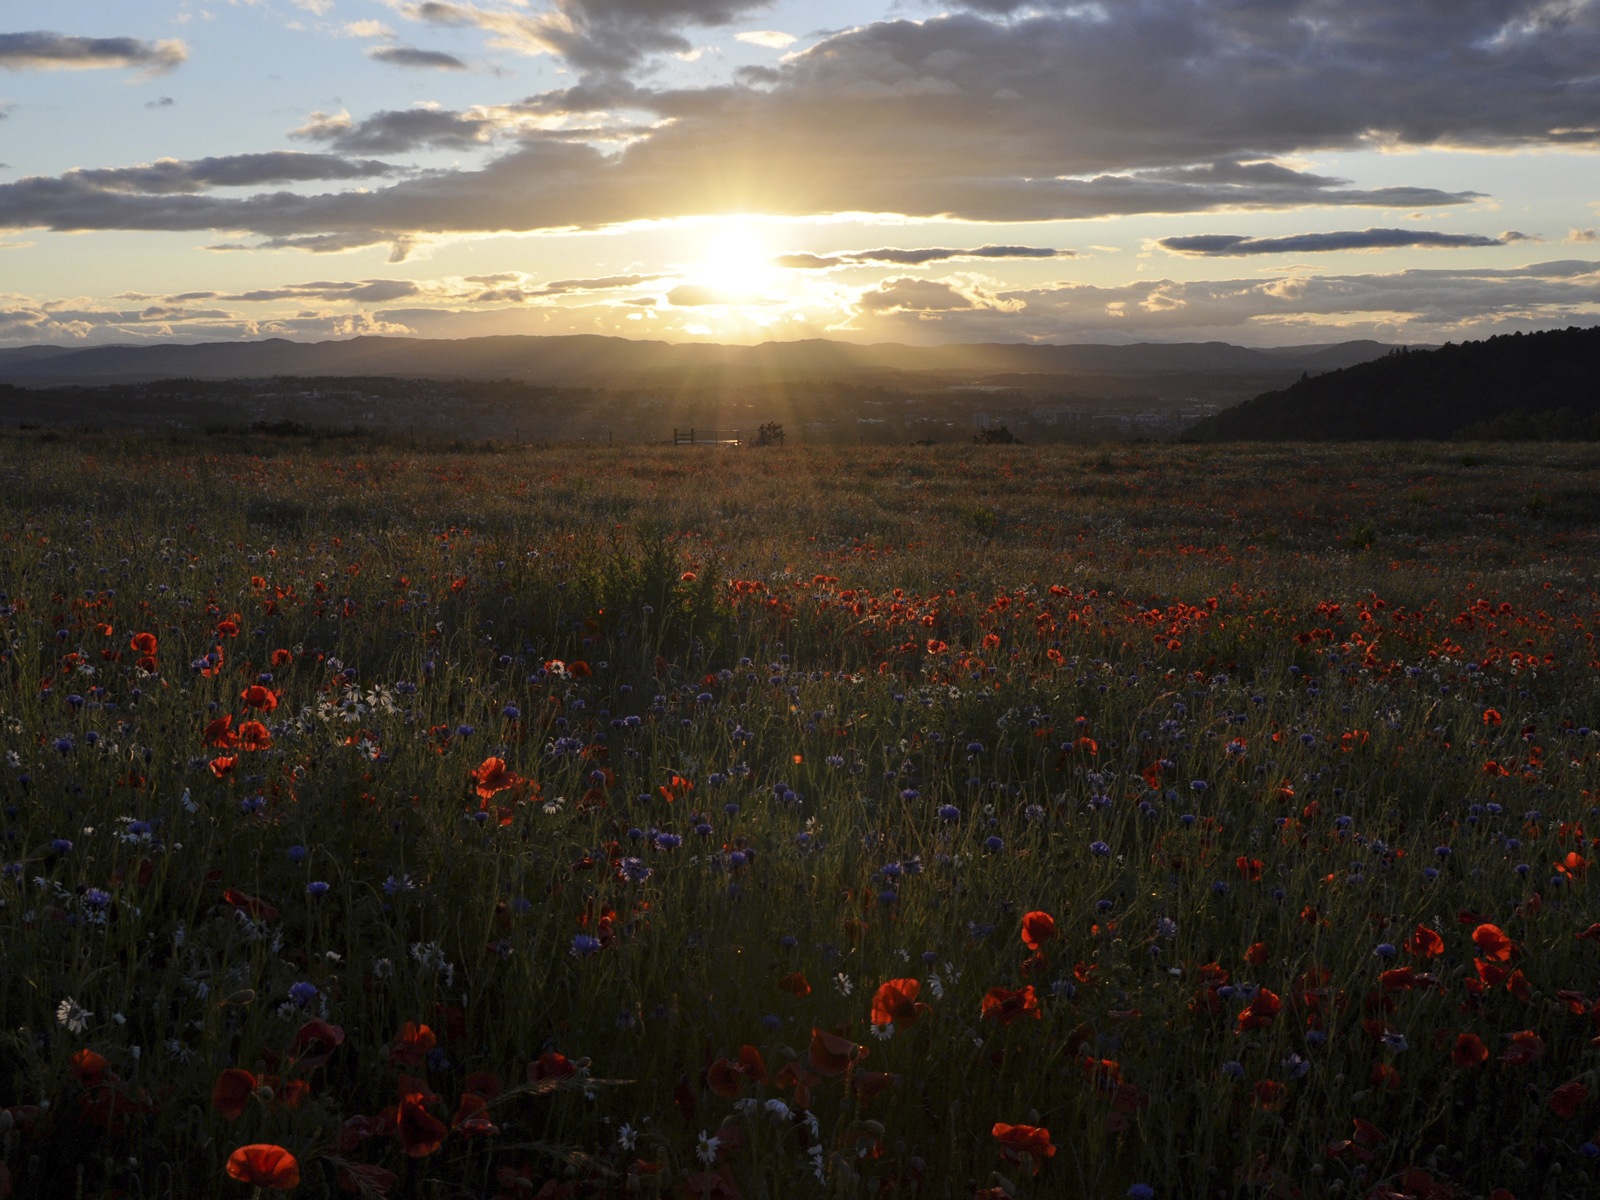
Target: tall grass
(1241,720)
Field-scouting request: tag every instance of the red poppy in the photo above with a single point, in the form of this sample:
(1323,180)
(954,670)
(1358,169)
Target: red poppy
(754,1065)
(1526,1047)
(253,735)
(143,643)
(315,1042)
(1424,943)
(1005,1005)
(1567,1099)
(264,1166)
(1270,1095)
(1258,954)
(421,1133)
(232,1092)
(255,909)
(725,1077)
(1037,929)
(796,984)
(676,788)
(411,1045)
(282,658)
(256,696)
(1260,1011)
(491,776)
(217,733)
(895,1003)
(832,1054)
(1016,1141)
(1494,943)
(797,1079)
(89,1067)
(551,1065)
(222,766)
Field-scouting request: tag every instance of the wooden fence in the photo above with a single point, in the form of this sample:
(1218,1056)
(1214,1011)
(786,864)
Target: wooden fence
(706,437)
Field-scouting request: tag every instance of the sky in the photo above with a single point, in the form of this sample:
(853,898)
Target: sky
(1263,172)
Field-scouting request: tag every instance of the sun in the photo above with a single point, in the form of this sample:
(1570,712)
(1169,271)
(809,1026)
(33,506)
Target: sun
(735,258)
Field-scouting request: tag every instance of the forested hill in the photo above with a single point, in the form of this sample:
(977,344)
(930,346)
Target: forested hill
(1522,386)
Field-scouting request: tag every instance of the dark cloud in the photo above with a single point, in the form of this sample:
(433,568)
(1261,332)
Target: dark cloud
(364,291)
(598,36)
(160,102)
(58,51)
(914,295)
(408,56)
(1032,113)
(910,258)
(169,175)
(397,131)
(1232,245)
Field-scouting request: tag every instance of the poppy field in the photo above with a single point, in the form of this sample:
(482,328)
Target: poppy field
(945,822)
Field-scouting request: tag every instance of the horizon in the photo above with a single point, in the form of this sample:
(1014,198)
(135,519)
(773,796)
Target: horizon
(738,172)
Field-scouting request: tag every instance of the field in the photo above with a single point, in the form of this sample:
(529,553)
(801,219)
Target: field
(1161,821)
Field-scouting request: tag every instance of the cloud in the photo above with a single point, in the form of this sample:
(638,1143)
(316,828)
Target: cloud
(160,102)
(366,29)
(771,39)
(521,292)
(1000,114)
(367,291)
(42,51)
(397,131)
(1432,305)
(1232,245)
(79,195)
(695,295)
(910,258)
(407,56)
(914,295)
(1583,235)
(597,36)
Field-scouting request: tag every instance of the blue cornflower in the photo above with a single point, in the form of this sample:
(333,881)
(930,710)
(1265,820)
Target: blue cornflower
(303,993)
(583,945)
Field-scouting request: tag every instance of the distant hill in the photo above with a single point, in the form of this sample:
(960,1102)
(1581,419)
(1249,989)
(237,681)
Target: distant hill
(594,361)
(1516,386)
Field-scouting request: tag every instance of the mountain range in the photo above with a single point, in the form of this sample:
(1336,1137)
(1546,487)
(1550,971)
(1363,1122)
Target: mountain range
(595,361)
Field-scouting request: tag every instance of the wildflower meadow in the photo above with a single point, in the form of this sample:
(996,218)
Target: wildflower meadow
(945,822)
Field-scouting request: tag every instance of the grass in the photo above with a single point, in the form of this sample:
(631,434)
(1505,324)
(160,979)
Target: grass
(775,728)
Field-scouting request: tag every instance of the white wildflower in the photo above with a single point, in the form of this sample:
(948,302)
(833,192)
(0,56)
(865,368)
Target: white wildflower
(883,1032)
(936,986)
(842,982)
(706,1151)
(627,1136)
(779,1110)
(73,1015)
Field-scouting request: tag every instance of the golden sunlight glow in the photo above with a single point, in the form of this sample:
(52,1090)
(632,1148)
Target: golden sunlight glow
(735,259)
